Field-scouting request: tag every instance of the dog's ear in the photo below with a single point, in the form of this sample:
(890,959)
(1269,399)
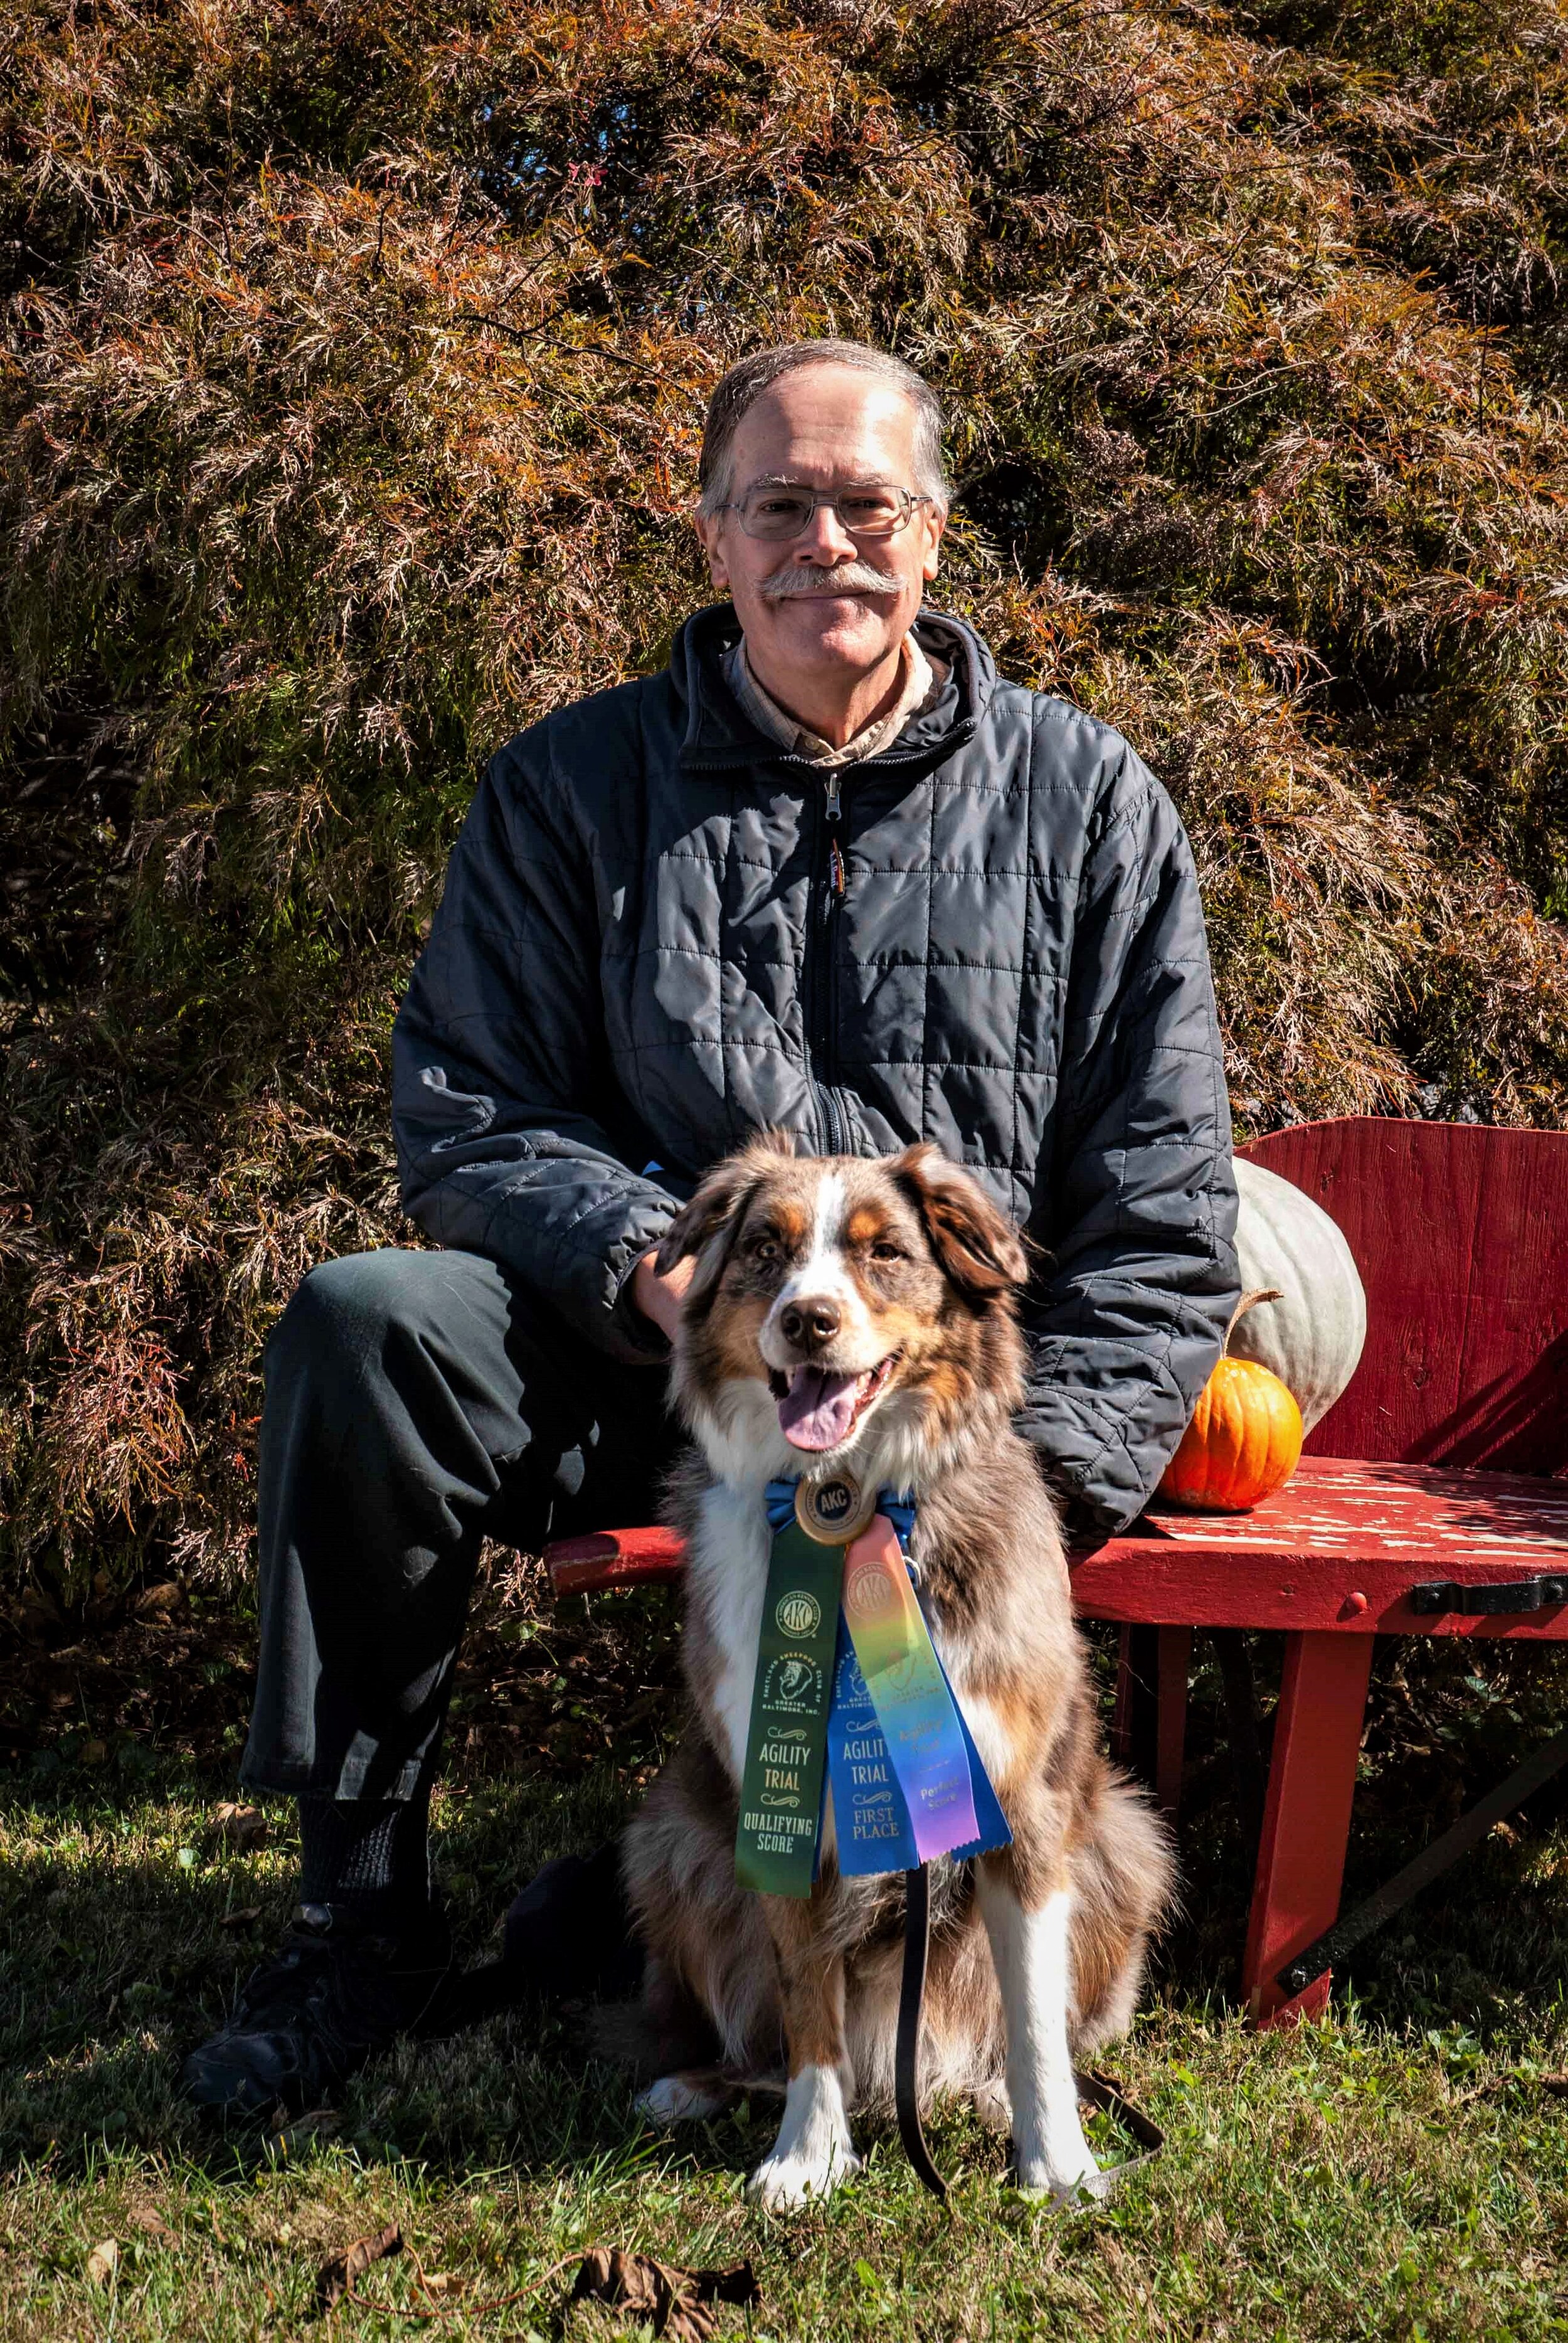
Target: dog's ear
(707,1224)
(977,1246)
(708,1213)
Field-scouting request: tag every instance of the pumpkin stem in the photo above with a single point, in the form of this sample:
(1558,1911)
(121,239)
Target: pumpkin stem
(1248,1301)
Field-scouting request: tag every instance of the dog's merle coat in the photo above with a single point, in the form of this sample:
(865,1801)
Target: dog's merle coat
(1037,1952)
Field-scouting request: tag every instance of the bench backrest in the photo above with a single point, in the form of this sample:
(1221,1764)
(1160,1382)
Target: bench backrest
(1461,1236)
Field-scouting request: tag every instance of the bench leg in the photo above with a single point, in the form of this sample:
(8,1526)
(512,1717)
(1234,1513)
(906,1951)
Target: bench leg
(1134,1736)
(1175,1665)
(1122,1724)
(1306,1817)
(1149,1733)
(1247,1769)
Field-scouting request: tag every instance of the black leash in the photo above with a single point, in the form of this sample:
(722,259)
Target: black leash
(1096,2090)
(906,2056)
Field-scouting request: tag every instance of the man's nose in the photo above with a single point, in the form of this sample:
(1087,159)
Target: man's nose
(806,1324)
(825,539)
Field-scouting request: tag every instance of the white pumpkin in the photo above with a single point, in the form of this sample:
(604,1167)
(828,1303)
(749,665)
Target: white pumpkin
(1312,1337)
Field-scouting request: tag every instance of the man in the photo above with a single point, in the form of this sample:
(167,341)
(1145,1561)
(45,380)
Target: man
(827,871)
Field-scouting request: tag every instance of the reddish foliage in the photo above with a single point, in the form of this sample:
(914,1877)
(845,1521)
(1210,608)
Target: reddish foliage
(355,363)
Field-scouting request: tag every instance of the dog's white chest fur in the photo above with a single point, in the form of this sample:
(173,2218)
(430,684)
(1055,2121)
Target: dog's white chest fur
(727,1568)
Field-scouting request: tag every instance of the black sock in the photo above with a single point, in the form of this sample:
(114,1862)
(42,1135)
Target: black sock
(370,1856)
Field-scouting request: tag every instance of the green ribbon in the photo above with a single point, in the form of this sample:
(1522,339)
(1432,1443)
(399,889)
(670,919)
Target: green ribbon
(786,1738)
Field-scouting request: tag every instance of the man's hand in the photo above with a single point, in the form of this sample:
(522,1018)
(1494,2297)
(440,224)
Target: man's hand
(659,1298)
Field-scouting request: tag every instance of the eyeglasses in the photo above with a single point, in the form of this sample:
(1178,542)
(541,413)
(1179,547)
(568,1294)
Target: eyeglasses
(778,513)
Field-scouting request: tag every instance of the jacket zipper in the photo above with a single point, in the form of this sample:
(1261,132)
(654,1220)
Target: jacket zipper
(831,890)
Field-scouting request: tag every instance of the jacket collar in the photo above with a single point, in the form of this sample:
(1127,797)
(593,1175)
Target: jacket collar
(719,737)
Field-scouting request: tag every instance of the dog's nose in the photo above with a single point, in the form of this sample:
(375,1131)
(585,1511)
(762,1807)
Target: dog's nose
(809,1324)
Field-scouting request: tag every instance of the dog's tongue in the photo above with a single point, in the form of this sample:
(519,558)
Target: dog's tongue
(819,1408)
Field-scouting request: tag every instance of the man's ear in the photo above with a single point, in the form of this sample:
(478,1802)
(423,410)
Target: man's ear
(710,534)
(977,1248)
(707,1224)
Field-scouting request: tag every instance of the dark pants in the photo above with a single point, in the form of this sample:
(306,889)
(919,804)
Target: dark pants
(415,1404)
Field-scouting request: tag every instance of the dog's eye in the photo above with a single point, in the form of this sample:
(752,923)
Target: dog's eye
(765,1249)
(885,1252)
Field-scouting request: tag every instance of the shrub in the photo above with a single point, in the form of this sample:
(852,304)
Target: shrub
(354,361)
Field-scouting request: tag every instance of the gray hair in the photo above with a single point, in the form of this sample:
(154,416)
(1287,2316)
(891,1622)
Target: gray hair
(744,383)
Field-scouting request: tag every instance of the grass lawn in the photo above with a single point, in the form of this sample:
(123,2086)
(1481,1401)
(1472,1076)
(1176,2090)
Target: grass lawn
(1398,2171)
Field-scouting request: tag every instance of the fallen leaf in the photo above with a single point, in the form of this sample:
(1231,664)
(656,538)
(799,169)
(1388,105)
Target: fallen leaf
(675,2302)
(335,2278)
(241,1828)
(441,2282)
(150,2222)
(1556,2084)
(103,2262)
(242,1918)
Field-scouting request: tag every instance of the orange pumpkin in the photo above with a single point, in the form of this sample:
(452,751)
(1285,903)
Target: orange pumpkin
(1245,1437)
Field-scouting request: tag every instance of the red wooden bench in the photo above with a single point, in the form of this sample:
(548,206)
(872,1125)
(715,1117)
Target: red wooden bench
(1425,1505)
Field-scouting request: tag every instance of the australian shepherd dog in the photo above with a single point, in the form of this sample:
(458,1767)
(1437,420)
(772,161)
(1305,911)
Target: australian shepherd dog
(858,1317)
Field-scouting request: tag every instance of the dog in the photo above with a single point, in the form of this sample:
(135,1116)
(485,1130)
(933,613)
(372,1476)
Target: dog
(846,1315)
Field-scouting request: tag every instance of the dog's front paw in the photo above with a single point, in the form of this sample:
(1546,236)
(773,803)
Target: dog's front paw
(784,2183)
(674,2099)
(812,2153)
(1063,2178)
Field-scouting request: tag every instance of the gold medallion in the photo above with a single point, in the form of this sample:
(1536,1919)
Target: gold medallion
(833,1512)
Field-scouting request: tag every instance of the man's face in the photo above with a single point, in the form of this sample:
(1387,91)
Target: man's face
(837,606)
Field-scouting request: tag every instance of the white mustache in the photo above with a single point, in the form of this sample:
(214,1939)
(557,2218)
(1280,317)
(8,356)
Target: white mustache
(804,578)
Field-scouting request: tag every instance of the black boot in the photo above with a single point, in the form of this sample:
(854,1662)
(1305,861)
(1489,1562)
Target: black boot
(340,1990)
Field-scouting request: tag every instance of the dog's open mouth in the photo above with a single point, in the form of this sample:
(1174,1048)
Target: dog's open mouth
(818,1407)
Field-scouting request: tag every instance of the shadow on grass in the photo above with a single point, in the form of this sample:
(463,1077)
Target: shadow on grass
(1484,1948)
(123,1961)
(115,1906)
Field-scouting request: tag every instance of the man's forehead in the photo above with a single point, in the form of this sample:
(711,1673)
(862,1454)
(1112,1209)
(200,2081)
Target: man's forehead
(827,419)
(792,481)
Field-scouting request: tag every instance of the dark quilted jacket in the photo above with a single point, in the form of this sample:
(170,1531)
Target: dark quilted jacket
(642,955)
